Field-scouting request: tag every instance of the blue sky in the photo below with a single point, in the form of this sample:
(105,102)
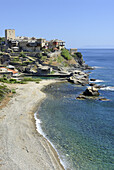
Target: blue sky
(80,23)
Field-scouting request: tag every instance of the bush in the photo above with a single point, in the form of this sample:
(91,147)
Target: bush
(44,58)
(4,76)
(27,79)
(22,82)
(37,82)
(31,79)
(5,80)
(3,91)
(39,55)
(22,55)
(65,54)
(3,50)
(13,81)
(52,72)
(60,59)
(13,91)
(78,54)
(1,79)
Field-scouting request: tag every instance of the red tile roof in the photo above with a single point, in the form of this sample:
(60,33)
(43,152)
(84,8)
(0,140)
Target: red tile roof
(9,70)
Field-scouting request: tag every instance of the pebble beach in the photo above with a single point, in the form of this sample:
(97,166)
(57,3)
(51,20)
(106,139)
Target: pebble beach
(21,146)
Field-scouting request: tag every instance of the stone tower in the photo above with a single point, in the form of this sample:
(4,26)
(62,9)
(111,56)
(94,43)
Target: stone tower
(9,34)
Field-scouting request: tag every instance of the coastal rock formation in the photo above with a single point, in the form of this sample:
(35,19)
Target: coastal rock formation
(79,77)
(91,91)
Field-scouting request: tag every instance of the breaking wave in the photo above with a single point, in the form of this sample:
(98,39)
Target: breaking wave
(107,88)
(39,129)
(97,67)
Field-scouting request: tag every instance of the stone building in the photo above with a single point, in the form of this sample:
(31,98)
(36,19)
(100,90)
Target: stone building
(42,42)
(30,46)
(9,35)
(56,44)
(33,44)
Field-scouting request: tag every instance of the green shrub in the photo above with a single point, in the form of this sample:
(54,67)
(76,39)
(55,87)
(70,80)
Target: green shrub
(60,59)
(3,50)
(27,79)
(3,91)
(1,79)
(13,80)
(4,75)
(37,79)
(31,79)
(39,55)
(22,55)
(65,53)
(37,82)
(65,64)
(44,58)
(22,82)
(5,78)
(13,91)
(77,55)
(52,72)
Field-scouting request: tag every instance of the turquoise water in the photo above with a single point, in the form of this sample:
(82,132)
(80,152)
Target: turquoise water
(82,131)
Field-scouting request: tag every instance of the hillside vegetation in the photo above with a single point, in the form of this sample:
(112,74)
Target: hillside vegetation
(3,91)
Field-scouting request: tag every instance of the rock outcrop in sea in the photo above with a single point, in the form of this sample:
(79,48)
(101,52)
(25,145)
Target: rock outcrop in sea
(79,77)
(91,93)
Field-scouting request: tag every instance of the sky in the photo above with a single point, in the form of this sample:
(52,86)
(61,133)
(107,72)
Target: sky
(80,23)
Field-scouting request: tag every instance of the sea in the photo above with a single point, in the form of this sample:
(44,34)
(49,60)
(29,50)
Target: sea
(82,131)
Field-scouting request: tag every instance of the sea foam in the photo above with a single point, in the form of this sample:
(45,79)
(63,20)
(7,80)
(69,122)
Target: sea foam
(107,88)
(39,129)
(97,67)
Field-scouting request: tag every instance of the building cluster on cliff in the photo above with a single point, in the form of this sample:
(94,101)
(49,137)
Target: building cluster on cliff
(35,55)
(16,44)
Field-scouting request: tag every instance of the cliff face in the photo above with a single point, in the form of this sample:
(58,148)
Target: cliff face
(61,60)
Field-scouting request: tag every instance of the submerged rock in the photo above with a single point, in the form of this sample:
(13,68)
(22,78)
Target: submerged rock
(81,97)
(104,99)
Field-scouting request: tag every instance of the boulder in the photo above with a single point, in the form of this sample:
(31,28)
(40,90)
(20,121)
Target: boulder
(92,84)
(79,77)
(92,79)
(91,91)
(81,97)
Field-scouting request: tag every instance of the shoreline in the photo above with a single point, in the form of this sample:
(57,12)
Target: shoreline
(22,146)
